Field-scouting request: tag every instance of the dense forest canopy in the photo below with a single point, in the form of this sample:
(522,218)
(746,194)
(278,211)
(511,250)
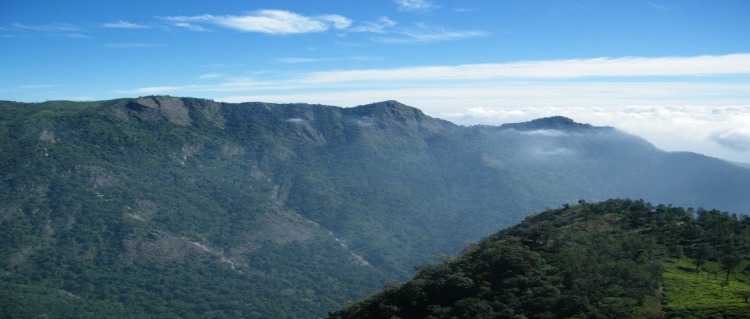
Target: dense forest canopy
(180,207)
(614,259)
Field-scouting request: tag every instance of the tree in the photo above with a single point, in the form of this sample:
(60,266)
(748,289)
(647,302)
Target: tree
(701,253)
(729,261)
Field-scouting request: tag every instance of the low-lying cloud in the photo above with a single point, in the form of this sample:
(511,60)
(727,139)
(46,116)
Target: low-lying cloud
(296,120)
(541,152)
(736,139)
(718,131)
(544,133)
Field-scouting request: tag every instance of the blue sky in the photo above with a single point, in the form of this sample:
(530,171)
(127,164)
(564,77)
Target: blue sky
(675,72)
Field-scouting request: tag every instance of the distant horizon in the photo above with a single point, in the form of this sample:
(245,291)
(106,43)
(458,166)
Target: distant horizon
(498,124)
(675,72)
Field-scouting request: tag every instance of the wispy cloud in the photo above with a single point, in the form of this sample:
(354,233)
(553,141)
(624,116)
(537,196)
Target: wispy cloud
(381,25)
(416,5)
(210,76)
(265,21)
(632,79)
(158,89)
(54,27)
(230,84)
(366,58)
(71,35)
(293,60)
(465,9)
(190,26)
(422,33)
(123,25)
(553,69)
(419,33)
(658,6)
(60,30)
(130,45)
(38,86)
(290,60)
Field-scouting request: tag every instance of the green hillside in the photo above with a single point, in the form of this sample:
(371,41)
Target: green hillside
(614,259)
(179,207)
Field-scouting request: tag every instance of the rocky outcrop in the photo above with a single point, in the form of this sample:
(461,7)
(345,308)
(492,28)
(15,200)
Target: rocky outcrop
(155,107)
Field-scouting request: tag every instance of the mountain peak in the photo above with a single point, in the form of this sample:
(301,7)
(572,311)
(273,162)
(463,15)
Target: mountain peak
(392,110)
(549,123)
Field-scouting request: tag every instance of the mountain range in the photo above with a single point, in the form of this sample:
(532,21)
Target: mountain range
(180,207)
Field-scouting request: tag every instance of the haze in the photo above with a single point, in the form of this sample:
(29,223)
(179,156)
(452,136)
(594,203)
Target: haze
(674,72)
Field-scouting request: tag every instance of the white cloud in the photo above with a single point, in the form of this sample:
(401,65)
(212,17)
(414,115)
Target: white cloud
(60,30)
(733,139)
(54,27)
(539,83)
(411,36)
(554,69)
(422,33)
(419,33)
(266,21)
(38,86)
(416,5)
(231,84)
(544,133)
(71,35)
(123,25)
(210,76)
(190,26)
(339,22)
(381,25)
(156,89)
(736,136)
(290,60)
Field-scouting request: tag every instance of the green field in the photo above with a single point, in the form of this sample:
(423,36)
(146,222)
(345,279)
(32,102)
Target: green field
(703,294)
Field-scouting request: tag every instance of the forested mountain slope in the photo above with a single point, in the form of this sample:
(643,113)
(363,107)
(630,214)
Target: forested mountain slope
(614,259)
(163,206)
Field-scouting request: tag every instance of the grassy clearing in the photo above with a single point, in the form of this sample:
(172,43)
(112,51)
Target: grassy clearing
(704,295)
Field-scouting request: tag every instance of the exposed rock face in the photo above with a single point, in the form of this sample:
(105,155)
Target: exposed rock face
(212,113)
(98,177)
(306,131)
(170,108)
(156,245)
(47,136)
